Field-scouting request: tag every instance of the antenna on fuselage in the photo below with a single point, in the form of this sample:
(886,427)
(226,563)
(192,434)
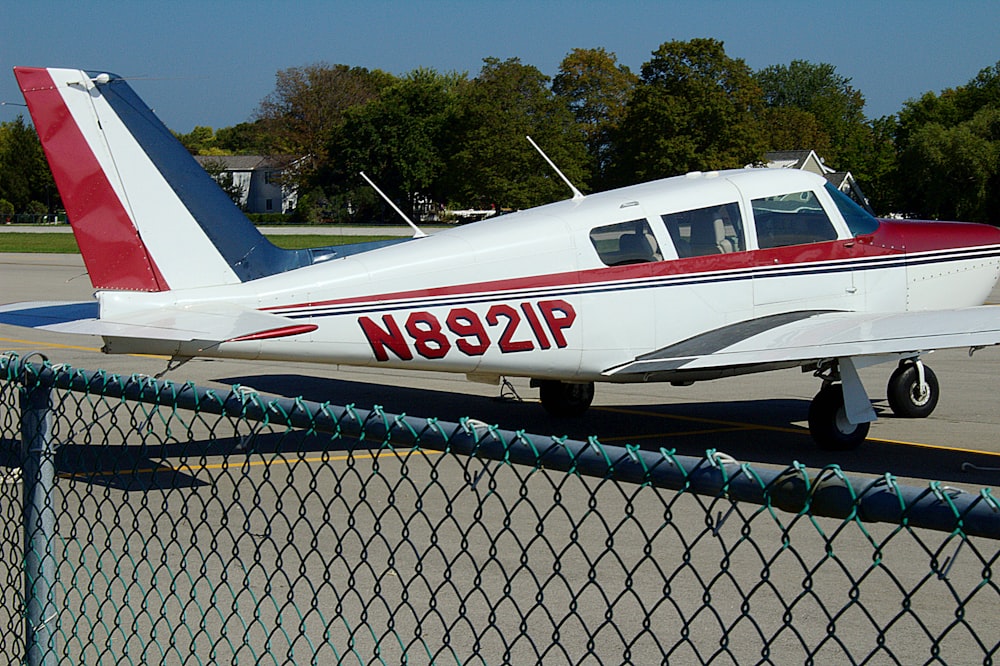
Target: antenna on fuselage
(417,233)
(577,194)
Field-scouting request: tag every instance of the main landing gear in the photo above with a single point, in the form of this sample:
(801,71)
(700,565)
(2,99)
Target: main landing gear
(829,424)
(564,398)
(841,414)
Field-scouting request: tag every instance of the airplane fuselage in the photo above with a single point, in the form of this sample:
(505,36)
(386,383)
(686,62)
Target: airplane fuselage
(554,293)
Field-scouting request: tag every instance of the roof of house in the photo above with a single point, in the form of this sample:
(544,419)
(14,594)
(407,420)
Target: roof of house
(243,162)
(839,178)
(794,159)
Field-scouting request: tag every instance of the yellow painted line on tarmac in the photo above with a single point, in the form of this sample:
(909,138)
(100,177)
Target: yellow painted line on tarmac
(936,447)
(227,465)
(36,344)
(680,433)
(735,426)
(47,345)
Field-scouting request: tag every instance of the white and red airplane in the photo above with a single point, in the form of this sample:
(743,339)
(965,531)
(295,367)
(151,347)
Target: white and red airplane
(685,279)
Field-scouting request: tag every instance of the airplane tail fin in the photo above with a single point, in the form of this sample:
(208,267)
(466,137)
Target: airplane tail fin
(146,215)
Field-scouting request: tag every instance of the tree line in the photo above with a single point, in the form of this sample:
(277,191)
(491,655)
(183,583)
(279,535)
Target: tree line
(459,142)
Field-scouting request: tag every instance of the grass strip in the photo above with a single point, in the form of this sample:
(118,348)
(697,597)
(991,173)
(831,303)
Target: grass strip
(66,244)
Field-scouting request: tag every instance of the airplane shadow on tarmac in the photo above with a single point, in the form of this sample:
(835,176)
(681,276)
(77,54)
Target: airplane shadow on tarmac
(145,467)
(767,432)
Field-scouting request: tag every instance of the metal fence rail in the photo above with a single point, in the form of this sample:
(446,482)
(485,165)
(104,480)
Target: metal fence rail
(148,521)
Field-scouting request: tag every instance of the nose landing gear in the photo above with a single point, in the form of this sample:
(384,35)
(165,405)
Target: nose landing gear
(912,390)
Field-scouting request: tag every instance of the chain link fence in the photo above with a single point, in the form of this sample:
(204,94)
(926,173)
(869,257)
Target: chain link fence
(152,522)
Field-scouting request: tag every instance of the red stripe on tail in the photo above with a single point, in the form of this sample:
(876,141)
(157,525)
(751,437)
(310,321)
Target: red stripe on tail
(115,256)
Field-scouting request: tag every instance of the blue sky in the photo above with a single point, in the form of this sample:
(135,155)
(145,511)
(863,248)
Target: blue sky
(210,63)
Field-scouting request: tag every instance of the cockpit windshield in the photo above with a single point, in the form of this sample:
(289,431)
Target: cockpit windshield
(859,221)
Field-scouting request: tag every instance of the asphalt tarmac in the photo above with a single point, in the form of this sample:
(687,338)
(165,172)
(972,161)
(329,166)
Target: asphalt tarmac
(757,419)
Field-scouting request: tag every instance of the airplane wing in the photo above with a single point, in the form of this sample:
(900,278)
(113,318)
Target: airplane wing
(801,337)
(205,322)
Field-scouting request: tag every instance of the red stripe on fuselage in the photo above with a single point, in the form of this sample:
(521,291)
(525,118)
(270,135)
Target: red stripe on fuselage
(893,238)
(282,332)
(115,256)
(716,263)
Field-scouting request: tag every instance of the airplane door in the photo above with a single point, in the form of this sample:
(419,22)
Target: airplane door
(801,263)
(818,276)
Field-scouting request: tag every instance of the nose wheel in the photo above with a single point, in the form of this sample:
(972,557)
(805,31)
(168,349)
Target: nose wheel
(828,423)
(912,390)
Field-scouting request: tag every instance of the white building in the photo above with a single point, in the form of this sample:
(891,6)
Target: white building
(257,178)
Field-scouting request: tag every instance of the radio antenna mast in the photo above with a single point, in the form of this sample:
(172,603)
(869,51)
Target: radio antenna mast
(577,194)
(417,233)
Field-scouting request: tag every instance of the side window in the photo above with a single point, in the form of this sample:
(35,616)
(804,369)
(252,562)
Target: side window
(703,231)
(791,219)
(625,243)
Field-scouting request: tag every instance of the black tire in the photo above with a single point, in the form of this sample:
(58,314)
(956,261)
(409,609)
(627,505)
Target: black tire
(904,395)
(828,422)
(564,398)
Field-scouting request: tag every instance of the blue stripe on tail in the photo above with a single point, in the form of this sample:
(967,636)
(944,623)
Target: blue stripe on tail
(244,248)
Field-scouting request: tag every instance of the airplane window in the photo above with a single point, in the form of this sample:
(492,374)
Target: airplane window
(625,243)
(859,221)
(791,219)
(704,231)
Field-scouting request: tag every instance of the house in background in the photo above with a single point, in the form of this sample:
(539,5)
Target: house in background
(256,181)
(808,160)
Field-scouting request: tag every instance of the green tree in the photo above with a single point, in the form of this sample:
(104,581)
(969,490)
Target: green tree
(244,139)
(792,128)
(490,161)
(398,139)
(953,106)
(949,152)
(953,173)
(308,105)
(199,140)
(695,108)
(818,90)
(874,164)
(24,172)
(597,90)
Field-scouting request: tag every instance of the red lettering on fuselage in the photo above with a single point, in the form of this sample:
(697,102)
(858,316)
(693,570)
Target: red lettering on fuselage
(559,315)
(466,324)
(390,337)
(469,333)
(507,343)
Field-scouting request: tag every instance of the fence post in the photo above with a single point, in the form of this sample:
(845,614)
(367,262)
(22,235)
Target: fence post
(38,473)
